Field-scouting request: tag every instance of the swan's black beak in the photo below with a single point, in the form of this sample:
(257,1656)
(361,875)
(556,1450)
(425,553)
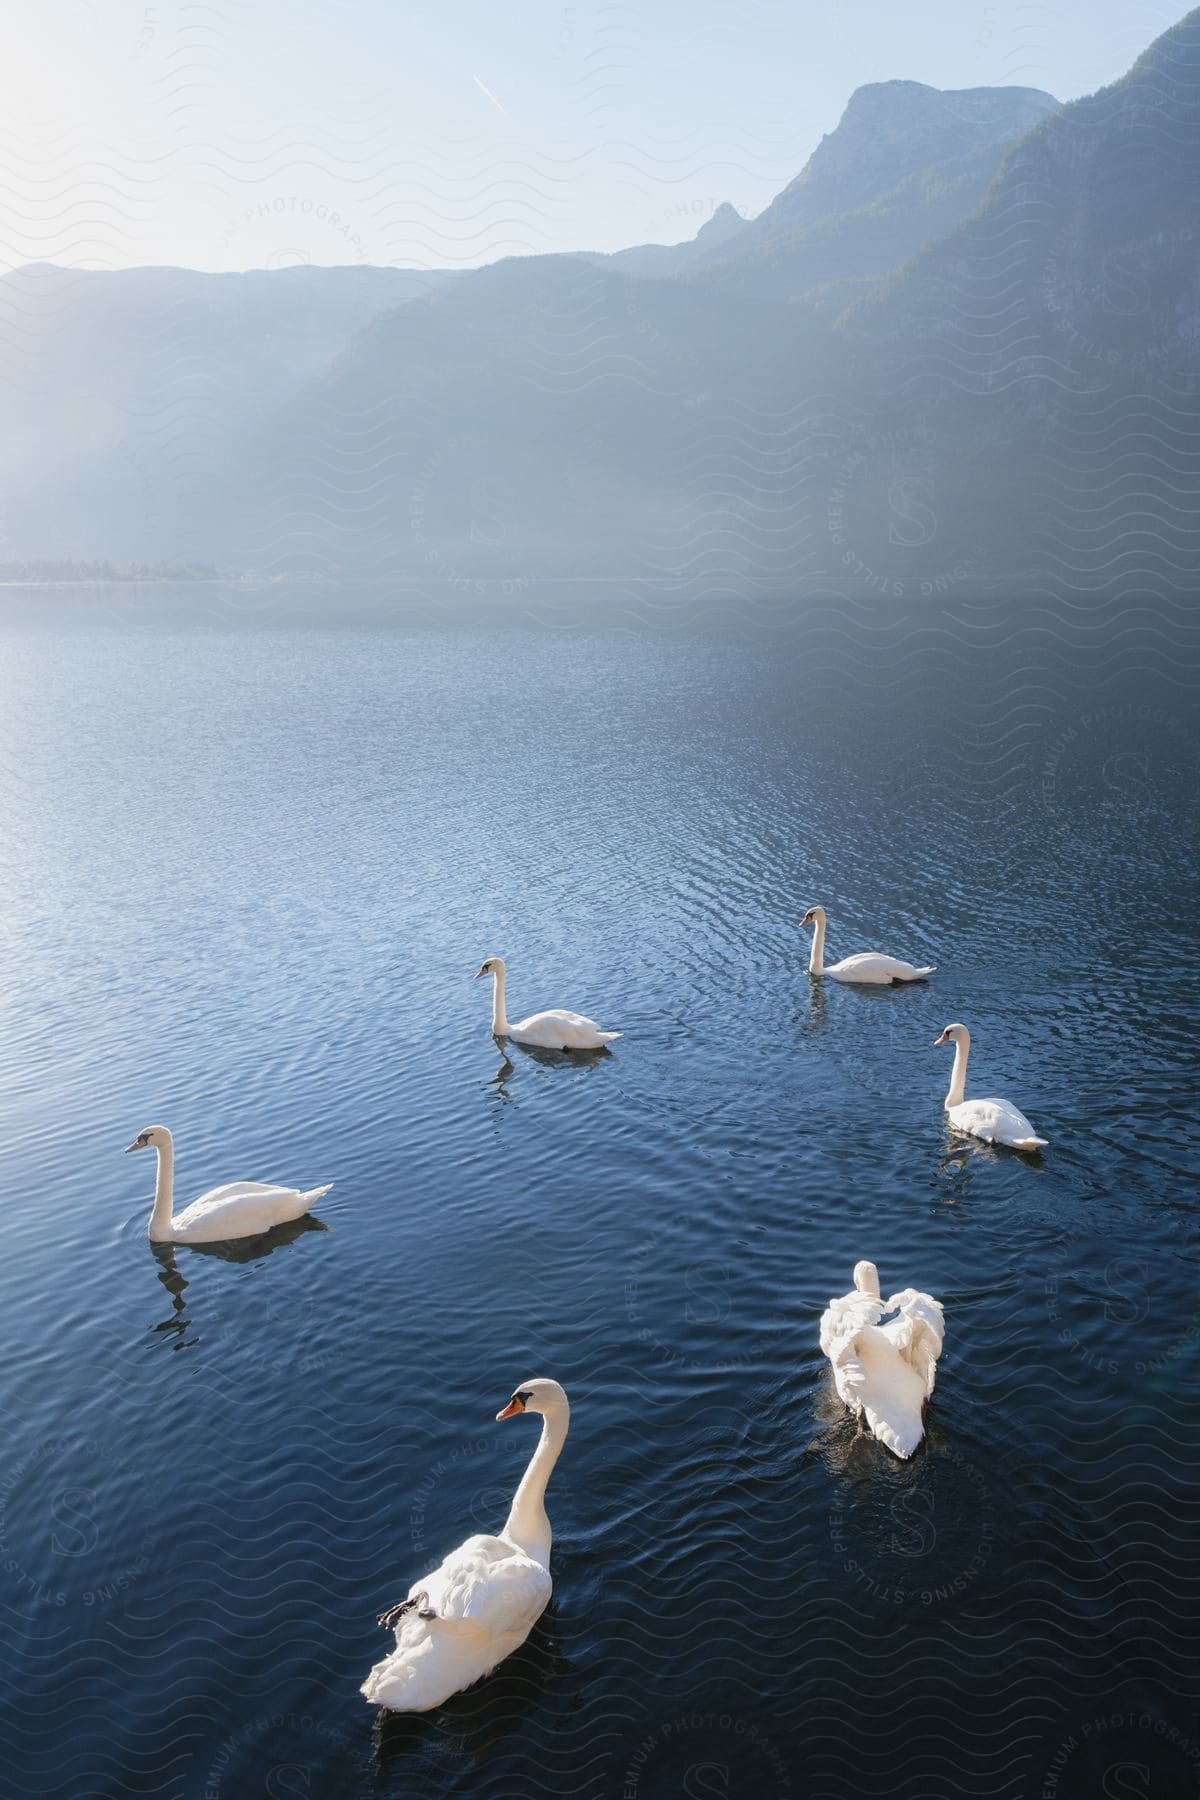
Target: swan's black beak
(136,1145)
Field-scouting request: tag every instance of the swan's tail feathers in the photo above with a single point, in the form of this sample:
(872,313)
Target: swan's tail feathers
(310,1196)
(609,1037)
(396,1683)
(919,974)
(1029,1143)
(424,1670)
(901,1439)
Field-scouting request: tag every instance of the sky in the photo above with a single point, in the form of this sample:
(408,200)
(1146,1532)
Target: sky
(256,134)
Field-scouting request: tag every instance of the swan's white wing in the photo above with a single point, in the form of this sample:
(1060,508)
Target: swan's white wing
(870,966)
(491,1585)
(841,1323)
(235,1191)
(849,1370)
(486,1597)
(916,1305)
(559,1015)
(866,966)
(846,1315)
(996,1122)
(559,1029)
(918,1332)
(924,1348)
(241,1209)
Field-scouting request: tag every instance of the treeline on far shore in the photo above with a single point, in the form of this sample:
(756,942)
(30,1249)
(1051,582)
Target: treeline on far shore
(63,569)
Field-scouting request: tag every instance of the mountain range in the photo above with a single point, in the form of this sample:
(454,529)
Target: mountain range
(959,348)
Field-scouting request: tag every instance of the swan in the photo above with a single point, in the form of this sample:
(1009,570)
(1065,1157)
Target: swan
(884,1371)
(868,965)
(461,1620)
(545,1030)
(995,1121)
(238,1209)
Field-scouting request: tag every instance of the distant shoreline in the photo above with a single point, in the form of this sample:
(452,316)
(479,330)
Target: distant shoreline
(664,591)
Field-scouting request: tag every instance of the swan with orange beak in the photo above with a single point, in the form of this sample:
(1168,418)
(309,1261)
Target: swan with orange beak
(483,1601)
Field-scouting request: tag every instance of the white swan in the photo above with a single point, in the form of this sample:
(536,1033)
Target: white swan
(468,1615)
(868,965)
(238,1209)
(547,1030)
(884,1371)
(995,1121)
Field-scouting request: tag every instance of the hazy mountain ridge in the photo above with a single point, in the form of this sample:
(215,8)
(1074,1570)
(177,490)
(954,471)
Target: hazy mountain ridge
(123,388)
(595,392)
(1057,332)
(913,368)
(891,131)
(852,252)
(886,150)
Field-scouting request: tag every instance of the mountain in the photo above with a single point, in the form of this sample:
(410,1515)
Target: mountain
(123,388)
(725,226)
(1054,338)
(892,130)
(959,350)
(905,164)
(545,393)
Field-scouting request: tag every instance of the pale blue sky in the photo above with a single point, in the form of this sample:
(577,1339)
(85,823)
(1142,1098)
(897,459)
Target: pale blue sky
(253,134)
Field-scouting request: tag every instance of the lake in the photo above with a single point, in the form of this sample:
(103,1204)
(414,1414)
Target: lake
(248,870)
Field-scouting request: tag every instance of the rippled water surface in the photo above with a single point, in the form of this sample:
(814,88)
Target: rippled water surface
(248,875)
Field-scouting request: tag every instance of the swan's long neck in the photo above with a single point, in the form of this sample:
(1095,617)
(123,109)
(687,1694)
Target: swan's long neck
(499,1022)
(164,1189)
(816,959)
(958,1074)
(527,1524)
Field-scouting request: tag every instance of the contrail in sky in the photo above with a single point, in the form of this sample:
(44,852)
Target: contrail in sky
(487,90)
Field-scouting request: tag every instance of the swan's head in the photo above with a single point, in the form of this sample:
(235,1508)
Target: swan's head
(814,916)
(954,1034)
(539,1395)
(494,965)
(154,1136)
(866,1279)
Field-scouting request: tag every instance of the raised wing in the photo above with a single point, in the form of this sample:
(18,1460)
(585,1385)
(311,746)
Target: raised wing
(844,1316)
(841,1325)
(850,1368)
(918,1332)
(487,1585)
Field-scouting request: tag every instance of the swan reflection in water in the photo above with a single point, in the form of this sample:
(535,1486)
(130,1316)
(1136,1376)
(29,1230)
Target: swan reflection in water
(549,1059)
(818,1002)
(962,1158)
(236,1250)
(472,1723)
(958,1158)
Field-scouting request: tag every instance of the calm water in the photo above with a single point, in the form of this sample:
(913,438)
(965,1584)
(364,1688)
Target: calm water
(248,875)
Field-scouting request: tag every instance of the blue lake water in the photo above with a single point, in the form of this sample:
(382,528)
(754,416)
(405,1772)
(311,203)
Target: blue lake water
(247,873)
